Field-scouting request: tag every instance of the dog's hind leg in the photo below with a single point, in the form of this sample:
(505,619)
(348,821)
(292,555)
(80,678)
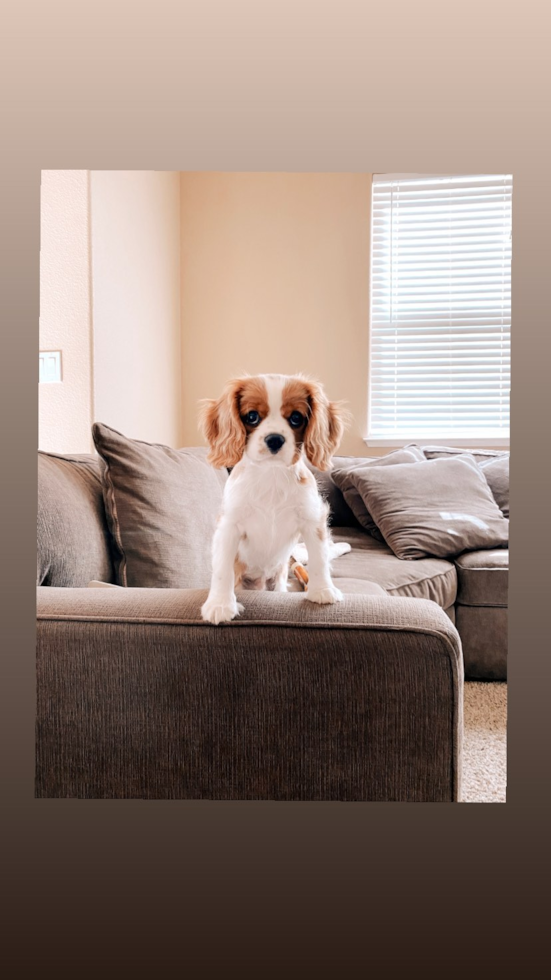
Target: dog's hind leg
(278,581)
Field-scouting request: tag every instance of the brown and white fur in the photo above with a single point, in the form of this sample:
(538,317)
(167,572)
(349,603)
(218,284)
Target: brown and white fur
(263,427)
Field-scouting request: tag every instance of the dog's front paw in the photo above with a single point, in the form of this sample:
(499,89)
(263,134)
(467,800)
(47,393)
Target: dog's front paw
(324,596)
(221,610)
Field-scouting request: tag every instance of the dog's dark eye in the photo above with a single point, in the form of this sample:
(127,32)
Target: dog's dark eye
(296,419)
(251,418)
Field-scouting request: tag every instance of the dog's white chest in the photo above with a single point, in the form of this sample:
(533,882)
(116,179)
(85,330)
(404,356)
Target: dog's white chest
(266,505)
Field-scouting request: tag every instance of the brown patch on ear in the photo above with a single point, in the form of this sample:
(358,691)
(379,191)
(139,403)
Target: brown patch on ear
(295,397)
(325,427)
(222,426)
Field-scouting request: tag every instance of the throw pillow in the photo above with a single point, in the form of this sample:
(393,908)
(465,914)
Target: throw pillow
(496,472)
(494,462)
(340,514)
(73,541)
(440,509)
(349,481)
(480,455)
(161,506)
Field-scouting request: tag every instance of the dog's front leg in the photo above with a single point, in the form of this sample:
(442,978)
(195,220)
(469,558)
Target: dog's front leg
(221,604)
(320,585)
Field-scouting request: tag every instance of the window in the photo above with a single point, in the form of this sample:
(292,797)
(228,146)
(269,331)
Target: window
(440,341)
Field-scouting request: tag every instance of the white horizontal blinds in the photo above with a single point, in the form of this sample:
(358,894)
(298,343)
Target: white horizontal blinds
(440,307)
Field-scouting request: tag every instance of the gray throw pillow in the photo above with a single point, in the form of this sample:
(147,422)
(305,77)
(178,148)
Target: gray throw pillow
(441,508)
(73,540)
(480,455)
(161,506)
(494,463)
(340,514)
(496,472)
(349,480)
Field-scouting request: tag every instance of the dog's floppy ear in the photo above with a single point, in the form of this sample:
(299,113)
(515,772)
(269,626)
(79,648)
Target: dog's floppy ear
(325,428)
(222,427)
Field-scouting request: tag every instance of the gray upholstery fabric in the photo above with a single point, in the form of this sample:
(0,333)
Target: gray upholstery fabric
(73,541)
(484,638)
(139,699)
(493,462)
(496,472)
(482,577)
(349,479)
(349,586)
(161,506)
(481,455)
(340,514)
(371,560)
(440,507)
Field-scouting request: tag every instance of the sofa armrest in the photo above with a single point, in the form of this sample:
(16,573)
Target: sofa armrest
(138,698)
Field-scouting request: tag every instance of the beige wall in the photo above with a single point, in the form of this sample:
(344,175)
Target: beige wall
(275,277)
(196,277)
(136,302)
(65,409)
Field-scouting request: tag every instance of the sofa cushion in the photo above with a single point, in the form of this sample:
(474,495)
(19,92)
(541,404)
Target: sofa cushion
(161,506)
(349,479)
(373,561)
(73,540)
(482,577)
(439,508)
(483,633)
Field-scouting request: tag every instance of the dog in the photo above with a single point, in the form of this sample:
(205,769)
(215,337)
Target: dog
(262,428)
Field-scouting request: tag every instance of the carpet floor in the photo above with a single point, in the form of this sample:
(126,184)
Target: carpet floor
(485,742)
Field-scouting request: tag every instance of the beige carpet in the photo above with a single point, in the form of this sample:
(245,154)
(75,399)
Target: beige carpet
(485,742)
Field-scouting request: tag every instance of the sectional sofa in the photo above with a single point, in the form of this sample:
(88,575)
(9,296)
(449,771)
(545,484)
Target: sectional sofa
(138,698)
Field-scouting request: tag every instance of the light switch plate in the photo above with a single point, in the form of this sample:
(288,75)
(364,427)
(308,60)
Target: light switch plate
(49,369)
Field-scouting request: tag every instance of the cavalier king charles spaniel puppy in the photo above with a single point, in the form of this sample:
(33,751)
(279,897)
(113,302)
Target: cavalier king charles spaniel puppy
(263,428)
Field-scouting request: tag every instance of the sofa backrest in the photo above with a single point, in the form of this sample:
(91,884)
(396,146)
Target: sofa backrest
(74,544)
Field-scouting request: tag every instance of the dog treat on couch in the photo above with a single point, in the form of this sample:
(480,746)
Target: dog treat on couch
(300,573)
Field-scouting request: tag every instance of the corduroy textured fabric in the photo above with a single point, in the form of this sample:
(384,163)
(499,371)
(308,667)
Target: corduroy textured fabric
(484,635)
(137,698)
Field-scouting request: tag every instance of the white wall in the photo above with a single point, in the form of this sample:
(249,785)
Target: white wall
(65,409)
(136,302)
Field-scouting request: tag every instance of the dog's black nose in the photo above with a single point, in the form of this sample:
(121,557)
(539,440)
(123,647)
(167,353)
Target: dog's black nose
(274,442)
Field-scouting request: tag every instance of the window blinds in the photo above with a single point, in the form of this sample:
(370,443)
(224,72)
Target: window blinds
(440,308)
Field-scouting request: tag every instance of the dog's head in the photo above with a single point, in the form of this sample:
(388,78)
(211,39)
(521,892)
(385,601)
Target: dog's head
(272,417)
